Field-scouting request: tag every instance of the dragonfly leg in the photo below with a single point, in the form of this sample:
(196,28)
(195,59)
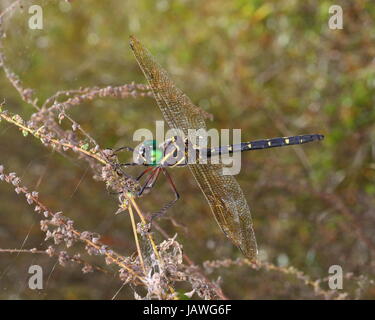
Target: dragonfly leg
(123,149)
(169,204)
(118,166)
(156,175)
(128,164)
(144,172)
(150,180)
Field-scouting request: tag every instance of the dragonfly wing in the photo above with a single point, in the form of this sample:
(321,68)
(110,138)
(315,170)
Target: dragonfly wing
(177,108)
(228,205)
(223,193)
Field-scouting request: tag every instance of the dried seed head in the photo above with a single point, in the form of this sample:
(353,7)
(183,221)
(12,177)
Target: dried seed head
(12,176)
(108,260)
(87,268)
(63,258)
(75,126)
(29,198)
(16,181)
(18,190)
(48,235)
(86,235)
(95,240)
(61,116)
(103,249)
(51,251)
(108,152)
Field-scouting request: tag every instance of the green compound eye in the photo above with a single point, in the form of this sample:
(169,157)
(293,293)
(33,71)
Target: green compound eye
(155,153)
(156,156)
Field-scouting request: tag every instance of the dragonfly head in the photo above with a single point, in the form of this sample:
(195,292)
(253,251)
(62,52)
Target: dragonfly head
(149,153)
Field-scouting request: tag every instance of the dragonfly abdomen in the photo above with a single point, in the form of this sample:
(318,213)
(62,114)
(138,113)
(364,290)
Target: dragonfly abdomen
(265,144)
(280,142)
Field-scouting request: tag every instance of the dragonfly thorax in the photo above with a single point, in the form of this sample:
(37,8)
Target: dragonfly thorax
(171,152)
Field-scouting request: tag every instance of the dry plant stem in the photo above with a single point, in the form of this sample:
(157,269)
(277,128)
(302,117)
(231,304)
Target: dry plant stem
(315,285)
(154,247)
(218,291)
(113,256)
(92,140)
(25,93)
(33,251)
(54,141)
(87,94)
(45,252)
(136,239)
(139,212)
(9,9)
(299,275)
(103,161)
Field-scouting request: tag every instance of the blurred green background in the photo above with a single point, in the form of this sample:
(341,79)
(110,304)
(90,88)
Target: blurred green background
(270,68)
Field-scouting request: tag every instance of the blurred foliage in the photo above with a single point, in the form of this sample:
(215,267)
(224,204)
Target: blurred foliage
(270,68)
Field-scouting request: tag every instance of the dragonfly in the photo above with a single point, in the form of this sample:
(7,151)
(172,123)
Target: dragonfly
(222,192)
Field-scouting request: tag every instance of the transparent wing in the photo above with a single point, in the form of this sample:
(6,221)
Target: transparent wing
(228,205)
(177,108)
(223,193)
